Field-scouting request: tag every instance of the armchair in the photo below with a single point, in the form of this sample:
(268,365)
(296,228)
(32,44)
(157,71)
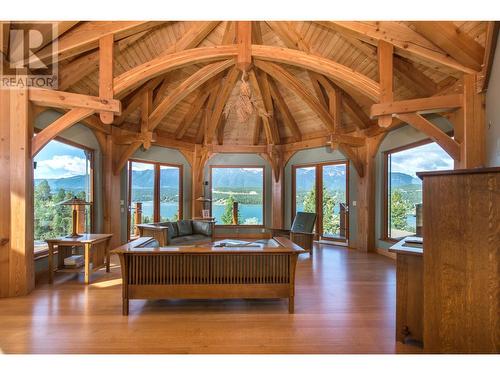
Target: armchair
(301,231)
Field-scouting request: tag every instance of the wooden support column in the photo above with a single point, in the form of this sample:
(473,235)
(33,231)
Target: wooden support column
(17,277)
(366,196)
(275,157)
(200,157)
(112,192)
(472,133)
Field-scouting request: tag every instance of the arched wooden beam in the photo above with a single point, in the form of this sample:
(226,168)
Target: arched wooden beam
(129,80)
(62,123)
(184,89)
(288,80)
(444,140)
(338,72)
(132,78)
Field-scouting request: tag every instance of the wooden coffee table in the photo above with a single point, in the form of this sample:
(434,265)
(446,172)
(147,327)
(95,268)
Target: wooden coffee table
(261,269)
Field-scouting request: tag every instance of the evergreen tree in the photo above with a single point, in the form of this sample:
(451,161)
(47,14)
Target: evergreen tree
(400,209)
(227,216)
(309,202)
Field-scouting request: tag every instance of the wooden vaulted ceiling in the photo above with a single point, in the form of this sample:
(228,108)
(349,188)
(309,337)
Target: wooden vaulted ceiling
(298,100)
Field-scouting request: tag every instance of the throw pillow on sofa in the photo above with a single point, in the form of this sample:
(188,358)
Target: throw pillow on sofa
(202,227)
(185,227)
(173,231)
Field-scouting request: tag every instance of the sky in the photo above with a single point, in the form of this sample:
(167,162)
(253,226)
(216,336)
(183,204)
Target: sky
(423,158)
(59,160)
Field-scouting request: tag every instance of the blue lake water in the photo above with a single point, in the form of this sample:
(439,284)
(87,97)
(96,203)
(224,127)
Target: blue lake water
(169,209)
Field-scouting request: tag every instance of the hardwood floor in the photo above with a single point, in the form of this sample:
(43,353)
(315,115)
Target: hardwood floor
(345,303)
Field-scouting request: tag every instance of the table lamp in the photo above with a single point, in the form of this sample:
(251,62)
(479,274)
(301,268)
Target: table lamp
(74,202)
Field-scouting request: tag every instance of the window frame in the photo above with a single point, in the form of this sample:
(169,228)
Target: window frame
(44,252)
(263,225)
(319,196)
(385,189)
(156,189)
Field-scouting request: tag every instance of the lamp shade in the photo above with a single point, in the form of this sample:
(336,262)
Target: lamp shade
(74,201)
(202,199)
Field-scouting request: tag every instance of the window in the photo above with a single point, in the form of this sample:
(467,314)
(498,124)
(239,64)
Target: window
(62,170)
(403,189)
(155,193)
(241,187)
(323,185)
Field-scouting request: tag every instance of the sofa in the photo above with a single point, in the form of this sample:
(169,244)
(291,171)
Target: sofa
(182,232)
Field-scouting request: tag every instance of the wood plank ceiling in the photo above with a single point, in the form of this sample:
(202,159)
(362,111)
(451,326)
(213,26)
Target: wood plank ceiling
(414,76)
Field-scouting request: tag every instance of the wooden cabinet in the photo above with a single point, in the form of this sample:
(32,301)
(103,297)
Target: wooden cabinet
(409,293)
(461,233)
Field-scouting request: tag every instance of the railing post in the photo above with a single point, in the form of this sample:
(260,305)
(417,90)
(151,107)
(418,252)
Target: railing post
(137,217)
(235,213)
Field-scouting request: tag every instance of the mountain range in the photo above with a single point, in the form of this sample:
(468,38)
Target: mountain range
(230,177)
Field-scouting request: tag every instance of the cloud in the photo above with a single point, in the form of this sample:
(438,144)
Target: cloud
(425,158)
(60,166)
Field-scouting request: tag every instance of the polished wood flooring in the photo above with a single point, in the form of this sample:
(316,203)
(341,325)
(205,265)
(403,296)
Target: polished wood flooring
(345,303)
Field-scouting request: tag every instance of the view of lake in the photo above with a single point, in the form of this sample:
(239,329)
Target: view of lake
(169,209)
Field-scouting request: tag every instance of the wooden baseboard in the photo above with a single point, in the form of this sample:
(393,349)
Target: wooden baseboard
(386,253)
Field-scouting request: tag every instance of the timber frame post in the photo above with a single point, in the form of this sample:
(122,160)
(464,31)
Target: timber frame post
(275,157)
(112,190)
(17,276)
(366,195)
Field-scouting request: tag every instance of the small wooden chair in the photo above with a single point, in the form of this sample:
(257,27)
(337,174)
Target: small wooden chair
(302,230)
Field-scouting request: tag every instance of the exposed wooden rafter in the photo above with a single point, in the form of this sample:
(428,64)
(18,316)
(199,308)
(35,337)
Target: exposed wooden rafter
(285,112)
(407,42)
(185,88)
(455,43)
(288,80)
